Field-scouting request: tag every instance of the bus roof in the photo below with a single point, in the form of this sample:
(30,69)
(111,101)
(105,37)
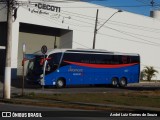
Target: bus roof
(93,51)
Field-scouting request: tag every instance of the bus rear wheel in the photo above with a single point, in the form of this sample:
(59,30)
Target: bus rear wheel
(60,83)
(123,82)
(115,82)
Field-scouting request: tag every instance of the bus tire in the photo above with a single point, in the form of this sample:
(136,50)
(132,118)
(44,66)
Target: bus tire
(123,82)
(114,82)
(60,83)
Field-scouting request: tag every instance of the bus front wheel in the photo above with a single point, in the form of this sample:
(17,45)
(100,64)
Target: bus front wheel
(123,82)
(60,83)
(115,82)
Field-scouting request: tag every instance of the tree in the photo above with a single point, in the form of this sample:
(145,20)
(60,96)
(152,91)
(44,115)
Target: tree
(149,72)
(143,75)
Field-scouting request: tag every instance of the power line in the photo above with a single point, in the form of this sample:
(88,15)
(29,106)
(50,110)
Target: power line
(128,25)
(48,1)
(125,6)
(142,35)
(80,16)
(151,2)
(63,20)
(81,44)
(93,18)
(154,44)
(144,28)
(133,26)
(129,40)
(54,1)
(48,19)
(150,42)
(123,32)
(133,6)
(58,23)
(126,33)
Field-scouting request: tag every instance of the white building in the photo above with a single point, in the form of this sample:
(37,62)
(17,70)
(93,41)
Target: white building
(71,25)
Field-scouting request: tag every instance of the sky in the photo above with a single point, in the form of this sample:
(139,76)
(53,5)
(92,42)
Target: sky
(142,7)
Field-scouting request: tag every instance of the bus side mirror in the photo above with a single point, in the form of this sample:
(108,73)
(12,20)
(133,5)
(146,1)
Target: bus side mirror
(43,60)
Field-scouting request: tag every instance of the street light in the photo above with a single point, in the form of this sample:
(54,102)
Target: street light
(96,29)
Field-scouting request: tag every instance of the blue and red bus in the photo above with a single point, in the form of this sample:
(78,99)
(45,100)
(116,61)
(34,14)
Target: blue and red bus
(64,67)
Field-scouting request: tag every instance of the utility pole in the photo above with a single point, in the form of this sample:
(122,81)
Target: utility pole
(95,30)
(7,77)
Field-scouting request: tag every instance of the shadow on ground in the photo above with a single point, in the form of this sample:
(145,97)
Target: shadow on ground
(18,83)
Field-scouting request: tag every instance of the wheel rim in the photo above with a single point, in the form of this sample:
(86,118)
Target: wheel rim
(60,83)
(123,82)
(114,82)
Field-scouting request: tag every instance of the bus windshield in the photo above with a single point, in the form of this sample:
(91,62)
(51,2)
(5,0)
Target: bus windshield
(35,66)
(52,63)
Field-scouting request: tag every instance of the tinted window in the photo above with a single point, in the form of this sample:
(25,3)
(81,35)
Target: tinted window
(53,62)
(77,57)
(35,65)
(100,58)
(128,59)
(90,58)
(135,59)
(55,58)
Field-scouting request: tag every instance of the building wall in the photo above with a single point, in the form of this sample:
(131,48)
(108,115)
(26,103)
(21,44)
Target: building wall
(66,39)
(155,14)
(124,32)
(3,13)
(33,42)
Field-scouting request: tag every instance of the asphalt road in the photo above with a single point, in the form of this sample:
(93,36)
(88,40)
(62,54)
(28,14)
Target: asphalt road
(48,113)
(16,88)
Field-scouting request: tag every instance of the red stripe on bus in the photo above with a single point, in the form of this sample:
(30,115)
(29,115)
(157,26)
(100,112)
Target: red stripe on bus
(101,65)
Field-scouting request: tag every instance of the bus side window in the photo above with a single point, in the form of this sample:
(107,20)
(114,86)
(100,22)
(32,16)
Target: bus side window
(116,59)
(135,59)
(129,59)
(123,59)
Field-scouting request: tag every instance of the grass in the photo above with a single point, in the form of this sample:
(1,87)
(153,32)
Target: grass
(150,81)
(141,98)
(129,98)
